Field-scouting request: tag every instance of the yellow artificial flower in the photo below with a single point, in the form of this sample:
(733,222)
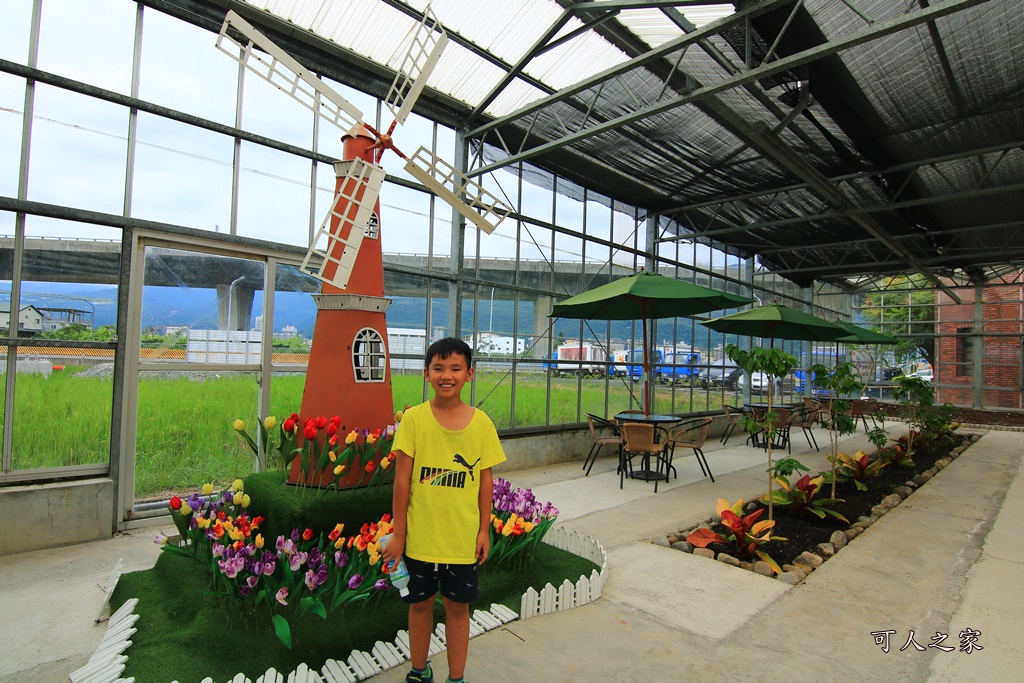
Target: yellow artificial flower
(245,500)
(207,489)
(370,438)
(235,534)
(203,522)
(259,540)
(528,526)
(339,527)
(237,500)
(332,455)
(385,463)
(507,531)
(399,415)
(236,485)
(374,558)
(351,438)
(185,509)
(239,425)
(270,422)
(338,470)
(340,543)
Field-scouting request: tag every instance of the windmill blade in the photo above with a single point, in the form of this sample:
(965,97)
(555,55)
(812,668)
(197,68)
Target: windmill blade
(429,41)
(337,242)
(281,70)
(482,208)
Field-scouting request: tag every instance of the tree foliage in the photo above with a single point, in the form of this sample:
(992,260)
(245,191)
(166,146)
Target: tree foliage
(905,306)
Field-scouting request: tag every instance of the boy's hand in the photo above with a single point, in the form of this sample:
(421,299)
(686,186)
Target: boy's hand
(483,546)
(394,549)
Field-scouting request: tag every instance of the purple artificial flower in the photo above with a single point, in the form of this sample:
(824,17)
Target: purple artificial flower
(269,567)
(382,585)
(231,566)
(195,502)
(316,556)
(296,561)
(340,559)
(218,550)
(282,596)
(257,567)
(243,590)
(252,581)
(311,580)
(355,582)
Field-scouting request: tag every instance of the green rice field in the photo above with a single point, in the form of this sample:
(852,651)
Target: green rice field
(184,432)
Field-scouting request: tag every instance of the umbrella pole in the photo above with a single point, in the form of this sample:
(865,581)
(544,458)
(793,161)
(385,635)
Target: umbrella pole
(645,384)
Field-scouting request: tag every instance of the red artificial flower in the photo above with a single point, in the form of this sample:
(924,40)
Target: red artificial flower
(175,503)
(257,520)
(333,441)
(310,432)
(294,417)
(334,535)
(321,422)
(289,425)
(336,421)
(307,534)
(386,517)
(371,466)
(332,429)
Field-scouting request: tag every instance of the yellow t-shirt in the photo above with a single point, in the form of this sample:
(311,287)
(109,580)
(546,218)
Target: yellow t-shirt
(444,510)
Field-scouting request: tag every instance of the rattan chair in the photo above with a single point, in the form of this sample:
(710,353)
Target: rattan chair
(804,418)
(691,434)
(733,415)
(600,441)
(639,440)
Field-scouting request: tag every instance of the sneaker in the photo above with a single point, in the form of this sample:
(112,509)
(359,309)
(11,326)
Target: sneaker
(420,677)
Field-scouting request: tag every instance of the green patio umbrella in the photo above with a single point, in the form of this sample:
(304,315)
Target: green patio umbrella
(778,322)
(862,335)
(645,296)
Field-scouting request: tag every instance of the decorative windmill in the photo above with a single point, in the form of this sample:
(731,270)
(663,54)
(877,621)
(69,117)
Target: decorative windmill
(349,372)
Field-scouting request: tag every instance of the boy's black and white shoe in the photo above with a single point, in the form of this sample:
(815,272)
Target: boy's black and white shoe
(425,676)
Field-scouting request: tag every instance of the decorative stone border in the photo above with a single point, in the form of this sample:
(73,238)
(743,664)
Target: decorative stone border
(108,662)
(808,561)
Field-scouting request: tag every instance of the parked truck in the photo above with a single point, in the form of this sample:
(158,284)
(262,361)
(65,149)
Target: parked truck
(668,366)
(579,359)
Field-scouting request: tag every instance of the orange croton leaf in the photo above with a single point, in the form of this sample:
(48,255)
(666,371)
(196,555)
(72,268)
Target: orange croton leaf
(702,537)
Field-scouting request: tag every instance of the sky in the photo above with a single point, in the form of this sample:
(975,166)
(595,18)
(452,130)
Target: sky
(183,175)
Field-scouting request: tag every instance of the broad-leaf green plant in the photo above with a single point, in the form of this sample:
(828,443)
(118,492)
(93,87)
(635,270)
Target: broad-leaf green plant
(839,381)
(801,497)
(746,534)
(776,364)
(858,468)
(918,399)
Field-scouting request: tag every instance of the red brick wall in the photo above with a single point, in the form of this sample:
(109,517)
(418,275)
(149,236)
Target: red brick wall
(1001,365)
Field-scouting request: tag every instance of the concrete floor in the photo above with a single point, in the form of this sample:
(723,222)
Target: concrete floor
(947,560)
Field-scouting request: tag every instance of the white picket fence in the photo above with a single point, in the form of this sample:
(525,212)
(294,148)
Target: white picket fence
(108,662)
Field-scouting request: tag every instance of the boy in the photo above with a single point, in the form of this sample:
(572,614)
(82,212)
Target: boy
(445,450)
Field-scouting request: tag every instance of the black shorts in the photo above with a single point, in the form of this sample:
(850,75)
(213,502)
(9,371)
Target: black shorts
(457,582)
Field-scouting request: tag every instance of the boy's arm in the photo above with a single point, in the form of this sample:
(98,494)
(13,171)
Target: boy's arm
(399,506)
(483,537)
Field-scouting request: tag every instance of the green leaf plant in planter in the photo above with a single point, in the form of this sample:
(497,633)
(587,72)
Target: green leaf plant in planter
(838,382)
(857,468)
(746,534)
(801,497)
(776,364)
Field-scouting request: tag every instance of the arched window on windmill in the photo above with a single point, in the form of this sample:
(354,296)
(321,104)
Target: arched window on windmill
(368,356)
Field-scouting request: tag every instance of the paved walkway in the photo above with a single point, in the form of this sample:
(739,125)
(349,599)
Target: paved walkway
(946,561)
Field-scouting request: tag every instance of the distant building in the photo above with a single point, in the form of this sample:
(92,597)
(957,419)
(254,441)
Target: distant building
(287,332)
(490,343)
(30,319)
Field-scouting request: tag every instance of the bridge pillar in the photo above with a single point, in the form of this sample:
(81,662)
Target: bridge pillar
(236,303)
(542,327)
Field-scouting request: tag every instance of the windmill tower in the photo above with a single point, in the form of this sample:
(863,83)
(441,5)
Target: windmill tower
(349,371)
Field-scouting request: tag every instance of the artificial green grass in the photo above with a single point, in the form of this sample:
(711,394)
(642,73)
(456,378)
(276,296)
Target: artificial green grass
(286,507)
(185,634)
